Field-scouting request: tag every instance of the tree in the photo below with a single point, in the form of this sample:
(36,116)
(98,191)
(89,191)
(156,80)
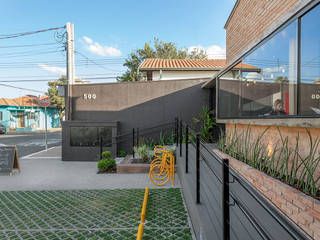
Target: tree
(281,79)
(160,49)
(53,94)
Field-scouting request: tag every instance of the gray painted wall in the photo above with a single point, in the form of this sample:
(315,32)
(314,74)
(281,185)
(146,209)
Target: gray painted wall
(138,104)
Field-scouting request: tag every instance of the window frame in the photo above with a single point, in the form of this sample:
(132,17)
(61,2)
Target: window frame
(296,17)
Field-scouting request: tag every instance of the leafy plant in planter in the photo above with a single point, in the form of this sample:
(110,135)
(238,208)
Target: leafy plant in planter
(207,123)
(107,163)
(144,152)
(122,153)
(282,162)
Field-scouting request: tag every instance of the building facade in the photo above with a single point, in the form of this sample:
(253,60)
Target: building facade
(100,113)
(24,114)
(155,69)
(283,91)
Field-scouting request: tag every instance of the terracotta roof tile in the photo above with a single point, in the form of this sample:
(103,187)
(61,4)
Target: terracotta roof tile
(188,64)
(28,100)
(182,64)
(7,102)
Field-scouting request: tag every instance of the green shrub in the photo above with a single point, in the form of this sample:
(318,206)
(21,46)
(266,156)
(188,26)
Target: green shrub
(108,164)
(144,152)
(106,154)
(122,153)
(207,123)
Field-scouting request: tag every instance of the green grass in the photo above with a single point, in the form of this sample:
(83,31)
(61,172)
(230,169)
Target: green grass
(92,214)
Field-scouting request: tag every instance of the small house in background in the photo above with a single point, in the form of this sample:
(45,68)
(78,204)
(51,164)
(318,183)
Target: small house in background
(25,114)
(154,69)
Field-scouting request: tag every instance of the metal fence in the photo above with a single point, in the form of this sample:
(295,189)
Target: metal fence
(227,206)
(137,136)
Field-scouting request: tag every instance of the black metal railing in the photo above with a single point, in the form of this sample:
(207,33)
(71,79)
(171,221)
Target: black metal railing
(135,136)
(231,196)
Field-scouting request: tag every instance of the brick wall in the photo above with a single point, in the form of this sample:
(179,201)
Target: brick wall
(251,19)
(300,208)
(271,138)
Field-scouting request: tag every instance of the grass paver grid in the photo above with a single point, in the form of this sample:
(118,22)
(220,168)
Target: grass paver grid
(92,214)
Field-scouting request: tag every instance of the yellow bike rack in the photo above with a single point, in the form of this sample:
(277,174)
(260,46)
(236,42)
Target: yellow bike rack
(162,167)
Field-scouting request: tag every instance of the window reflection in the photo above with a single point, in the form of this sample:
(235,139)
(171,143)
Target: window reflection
(309,102)
(264,83)
(84,136)
(270,88)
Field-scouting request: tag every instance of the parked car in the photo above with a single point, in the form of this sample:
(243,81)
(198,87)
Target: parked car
(2,128)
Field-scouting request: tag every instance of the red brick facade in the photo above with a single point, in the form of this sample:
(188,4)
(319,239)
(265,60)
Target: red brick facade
(250,19)
(300,208)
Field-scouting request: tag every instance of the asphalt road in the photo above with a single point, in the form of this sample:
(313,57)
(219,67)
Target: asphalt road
(28,143)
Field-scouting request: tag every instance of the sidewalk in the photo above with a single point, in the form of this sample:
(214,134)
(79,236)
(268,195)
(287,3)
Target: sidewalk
(11,132)
(46,171)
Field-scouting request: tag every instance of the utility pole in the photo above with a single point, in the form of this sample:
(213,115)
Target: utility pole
(70,68)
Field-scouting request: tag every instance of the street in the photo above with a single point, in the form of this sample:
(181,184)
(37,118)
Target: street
(28,143)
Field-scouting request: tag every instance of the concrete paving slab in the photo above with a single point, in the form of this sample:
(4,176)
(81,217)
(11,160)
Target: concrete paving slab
(46,171)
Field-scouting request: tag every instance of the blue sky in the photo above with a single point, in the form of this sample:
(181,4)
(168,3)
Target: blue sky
(105,31)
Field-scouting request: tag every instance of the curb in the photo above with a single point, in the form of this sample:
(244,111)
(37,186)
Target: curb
(30,155)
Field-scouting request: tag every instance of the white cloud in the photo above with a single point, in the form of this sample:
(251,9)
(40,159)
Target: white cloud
(87,40)
(213,51)
(53,69)
(98,49)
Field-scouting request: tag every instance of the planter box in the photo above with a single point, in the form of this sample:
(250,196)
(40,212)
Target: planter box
(299,207)
(133,168)
(127,166)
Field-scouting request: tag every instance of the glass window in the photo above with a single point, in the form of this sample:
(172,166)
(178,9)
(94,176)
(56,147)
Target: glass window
(91,136)
(1,116)
(84,136)
(264,84)
(269,79)
(309,102)
(229,94)
(106,136)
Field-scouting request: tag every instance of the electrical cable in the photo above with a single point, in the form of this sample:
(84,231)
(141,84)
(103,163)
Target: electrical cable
(16,35)
(29,45)
(95,62)
(27,89)
(48,80)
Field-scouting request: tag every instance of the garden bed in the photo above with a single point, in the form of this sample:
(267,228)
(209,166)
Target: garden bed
(299,207)
(133,165)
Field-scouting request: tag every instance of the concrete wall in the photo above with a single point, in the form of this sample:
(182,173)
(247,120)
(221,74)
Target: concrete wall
(138,104)
(251,20)
(172,75)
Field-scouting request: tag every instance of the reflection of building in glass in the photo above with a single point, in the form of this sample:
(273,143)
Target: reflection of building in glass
(281,74)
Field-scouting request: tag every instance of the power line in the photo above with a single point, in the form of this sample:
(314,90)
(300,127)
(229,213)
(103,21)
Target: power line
(26,89)
(95,62)
(49,80)
(37,53)
(29,45)
(16,35)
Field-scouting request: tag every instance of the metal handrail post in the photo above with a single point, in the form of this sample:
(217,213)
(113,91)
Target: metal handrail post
(198,167)
(187,148)
(133,142)
(137,137)
(176,130)
(225,199)
(180,130)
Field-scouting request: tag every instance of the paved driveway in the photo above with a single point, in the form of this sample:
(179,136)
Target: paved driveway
(46,171)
